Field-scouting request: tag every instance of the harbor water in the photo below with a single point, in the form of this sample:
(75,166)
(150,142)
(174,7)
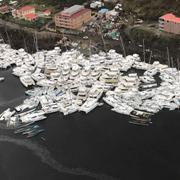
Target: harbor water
(100,145)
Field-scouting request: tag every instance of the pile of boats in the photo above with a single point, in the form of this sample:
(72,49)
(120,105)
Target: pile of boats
(68,82)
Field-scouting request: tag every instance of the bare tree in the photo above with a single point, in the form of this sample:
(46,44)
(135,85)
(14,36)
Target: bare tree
(150,57)
(122,44)
(168,57)
(144,53)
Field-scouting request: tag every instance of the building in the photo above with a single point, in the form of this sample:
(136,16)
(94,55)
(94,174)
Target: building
(103,11)
(30,17)
(73,17)
(47,12)
(25,12)
(169,23)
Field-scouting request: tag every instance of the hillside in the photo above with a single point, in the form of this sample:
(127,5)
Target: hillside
(152,9)
(145,9)
(55,2)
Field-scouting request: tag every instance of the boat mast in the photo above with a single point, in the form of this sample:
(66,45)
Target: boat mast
(9,42)
(35,41)
(178,64)
(25,45)
(144,53)
(172,63)
(150,57)
(122,44)
(2,38)
(90,53)
(168,58)
(102,37)
(178,68)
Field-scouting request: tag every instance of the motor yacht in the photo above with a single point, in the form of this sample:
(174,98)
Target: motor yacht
(27,81)
(2,79)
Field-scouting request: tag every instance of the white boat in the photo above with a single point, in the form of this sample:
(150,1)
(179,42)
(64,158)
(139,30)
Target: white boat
(2,79)
(27,81)
(6,115)
(33,116)
(50,108)
(89,105)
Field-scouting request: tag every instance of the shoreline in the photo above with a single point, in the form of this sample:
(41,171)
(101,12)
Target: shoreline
(46,40)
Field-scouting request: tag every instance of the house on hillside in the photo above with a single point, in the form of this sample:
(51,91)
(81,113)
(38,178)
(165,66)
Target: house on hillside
(47,12)
(169,23)
(30,17)
(25,12)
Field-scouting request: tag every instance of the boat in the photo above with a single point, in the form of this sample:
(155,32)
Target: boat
(34,133)
(25,128)
(31,129)
(6,115)
(140,114)
(148,86)
(139,123)
(89,105)
(2,79)
(24,125)
(27,81)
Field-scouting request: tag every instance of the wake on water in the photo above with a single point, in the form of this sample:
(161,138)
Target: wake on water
(46,157)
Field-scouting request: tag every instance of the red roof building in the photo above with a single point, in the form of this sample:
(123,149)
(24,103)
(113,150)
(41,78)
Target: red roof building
(169,23)
(30,17)
(26,8)
(47,12)
(25,12)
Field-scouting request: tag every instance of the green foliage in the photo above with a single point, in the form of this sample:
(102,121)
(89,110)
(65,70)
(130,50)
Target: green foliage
(33,24)
(57,2)
(152,9)
(162,40)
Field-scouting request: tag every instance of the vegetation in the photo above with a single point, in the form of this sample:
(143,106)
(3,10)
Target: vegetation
(55,2)
(152,9)
(145,9)
(153,39)
(33,24)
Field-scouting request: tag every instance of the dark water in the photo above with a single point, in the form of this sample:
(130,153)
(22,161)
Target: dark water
(100,145)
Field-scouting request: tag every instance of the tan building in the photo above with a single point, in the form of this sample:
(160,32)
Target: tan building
(73,17)
(169,23)
(23,12)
